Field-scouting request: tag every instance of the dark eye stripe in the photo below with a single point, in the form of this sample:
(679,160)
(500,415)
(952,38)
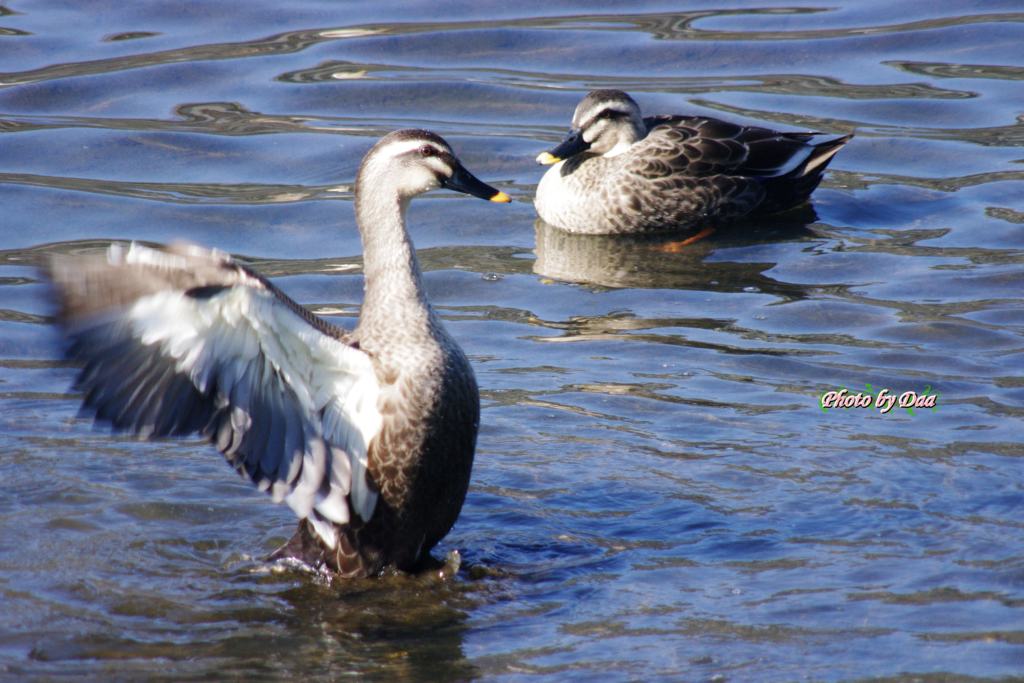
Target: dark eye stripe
(605,114)
(427,150)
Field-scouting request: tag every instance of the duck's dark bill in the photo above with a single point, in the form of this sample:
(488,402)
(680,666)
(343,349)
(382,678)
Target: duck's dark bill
(464,181)
(571,146)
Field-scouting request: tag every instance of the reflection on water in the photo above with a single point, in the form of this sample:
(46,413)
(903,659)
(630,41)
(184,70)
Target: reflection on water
(658,493)
(656,262)
(400,630)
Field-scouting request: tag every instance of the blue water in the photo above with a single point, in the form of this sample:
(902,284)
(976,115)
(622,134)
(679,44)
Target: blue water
(658,493)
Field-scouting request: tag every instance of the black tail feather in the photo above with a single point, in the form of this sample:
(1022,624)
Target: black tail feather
(793,188)
(820,158)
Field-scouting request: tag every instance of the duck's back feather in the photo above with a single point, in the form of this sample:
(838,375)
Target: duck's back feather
(702,146)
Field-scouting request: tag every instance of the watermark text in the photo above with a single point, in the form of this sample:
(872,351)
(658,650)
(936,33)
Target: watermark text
(882,400)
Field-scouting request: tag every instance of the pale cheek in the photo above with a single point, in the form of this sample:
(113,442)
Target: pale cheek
(424,182)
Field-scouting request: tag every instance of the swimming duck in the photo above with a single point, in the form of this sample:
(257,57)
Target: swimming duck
(618,172)
(367,435)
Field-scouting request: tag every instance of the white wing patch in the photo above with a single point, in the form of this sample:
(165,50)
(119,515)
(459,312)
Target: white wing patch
(223,339)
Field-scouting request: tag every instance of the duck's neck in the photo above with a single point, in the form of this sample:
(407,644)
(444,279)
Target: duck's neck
(620,147)
(394,289)
(628,135)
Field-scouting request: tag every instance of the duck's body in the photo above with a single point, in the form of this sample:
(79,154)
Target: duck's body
(368,436)
(620,173)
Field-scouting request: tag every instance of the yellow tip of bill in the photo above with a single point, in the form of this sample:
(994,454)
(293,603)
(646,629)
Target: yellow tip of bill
(547,158)
(501,197)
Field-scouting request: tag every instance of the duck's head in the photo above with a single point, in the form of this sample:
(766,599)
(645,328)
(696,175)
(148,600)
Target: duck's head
(415,161)
(605,122)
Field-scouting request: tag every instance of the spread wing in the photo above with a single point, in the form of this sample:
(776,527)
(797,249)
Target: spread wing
(187,341)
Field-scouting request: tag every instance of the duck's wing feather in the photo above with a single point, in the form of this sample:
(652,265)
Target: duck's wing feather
(702,146)
(188,341)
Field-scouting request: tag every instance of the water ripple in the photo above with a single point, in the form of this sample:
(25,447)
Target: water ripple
(659,492)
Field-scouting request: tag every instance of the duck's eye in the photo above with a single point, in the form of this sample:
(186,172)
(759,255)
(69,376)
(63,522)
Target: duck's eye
(427,151)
